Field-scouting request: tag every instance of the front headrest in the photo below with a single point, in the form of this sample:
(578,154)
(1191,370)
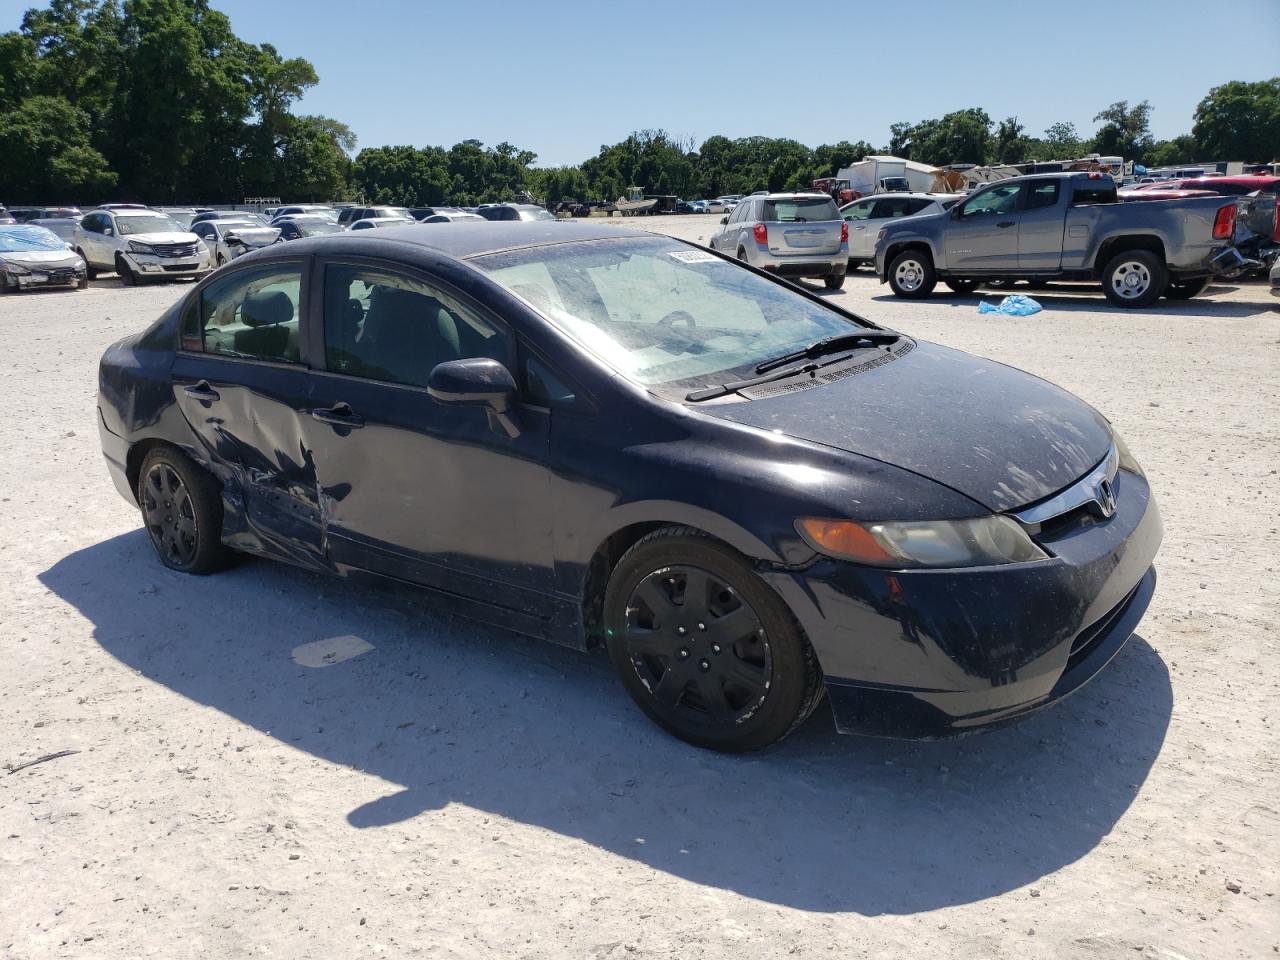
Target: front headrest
(266,309)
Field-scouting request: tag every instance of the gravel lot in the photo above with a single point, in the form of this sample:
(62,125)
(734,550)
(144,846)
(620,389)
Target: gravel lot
(454,791)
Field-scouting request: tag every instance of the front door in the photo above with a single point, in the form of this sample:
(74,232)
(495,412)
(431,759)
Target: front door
(983,232)
(412,488)
(240,382)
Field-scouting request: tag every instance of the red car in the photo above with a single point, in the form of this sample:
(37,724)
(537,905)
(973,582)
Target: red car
(1233,186)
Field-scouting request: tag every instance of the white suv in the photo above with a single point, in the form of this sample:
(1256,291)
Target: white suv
(139,245)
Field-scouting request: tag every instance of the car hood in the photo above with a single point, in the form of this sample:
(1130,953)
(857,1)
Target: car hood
(995,434)
(30,257)
(257,236)
(162,237)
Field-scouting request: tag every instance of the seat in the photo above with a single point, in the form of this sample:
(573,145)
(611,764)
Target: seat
(406,335)
(264,314)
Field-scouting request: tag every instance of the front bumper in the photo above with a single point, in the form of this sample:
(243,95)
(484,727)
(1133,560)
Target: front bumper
(150,265)
(931,653)
(52,276)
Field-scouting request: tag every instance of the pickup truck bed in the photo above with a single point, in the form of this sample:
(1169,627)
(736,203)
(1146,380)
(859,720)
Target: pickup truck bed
(1068,226)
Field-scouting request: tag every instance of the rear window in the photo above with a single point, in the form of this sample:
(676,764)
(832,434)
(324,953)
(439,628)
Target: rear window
(1083,195)
(801,210)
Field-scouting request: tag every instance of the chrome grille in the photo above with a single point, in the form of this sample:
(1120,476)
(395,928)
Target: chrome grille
(174,249)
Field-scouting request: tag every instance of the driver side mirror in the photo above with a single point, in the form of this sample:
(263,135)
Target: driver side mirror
(477,382)
(108,232)
(231,237)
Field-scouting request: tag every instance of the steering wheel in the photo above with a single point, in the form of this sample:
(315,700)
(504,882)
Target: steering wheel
(677,315)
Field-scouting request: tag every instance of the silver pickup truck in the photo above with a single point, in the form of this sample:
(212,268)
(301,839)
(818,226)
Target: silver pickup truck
(1065,226)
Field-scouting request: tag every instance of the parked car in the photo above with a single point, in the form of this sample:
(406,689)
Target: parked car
(182,216)
(421,213)
(1240,186)
(1275,279)
(228,239)
(64,227)
(31,256)
(350,215)
(685,206)
(790,234)
(297,227)
(379,222)
(714,206)
(458,217)
(6,217)
(27,214)
(1062,226)
(257,219)
(139,245)
(306,209)
(790,478)
(514,211)
(866,216)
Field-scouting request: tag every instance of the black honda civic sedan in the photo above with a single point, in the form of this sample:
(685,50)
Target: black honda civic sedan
(595,435)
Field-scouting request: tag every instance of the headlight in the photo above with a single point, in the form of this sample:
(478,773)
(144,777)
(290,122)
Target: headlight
(17,269)
(1127,461)
(922,543)
(136,247)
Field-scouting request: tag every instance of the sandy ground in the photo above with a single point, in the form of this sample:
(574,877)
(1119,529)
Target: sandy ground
(415,786)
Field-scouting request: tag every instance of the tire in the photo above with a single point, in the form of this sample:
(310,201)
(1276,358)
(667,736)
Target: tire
(1134,278)
(182,512)
(911,275)
(83,283)
(127,277)
(90,270)
(742,254)
(962,285)
(739,676)
(833,282)
(1186,289)
(222,261)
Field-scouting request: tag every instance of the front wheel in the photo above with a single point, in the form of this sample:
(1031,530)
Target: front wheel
(962,286)
(90,271)
(833,282)
(182,512)
(127,277)
(704,646)
(1134,278)
(1186,289)
(911,275)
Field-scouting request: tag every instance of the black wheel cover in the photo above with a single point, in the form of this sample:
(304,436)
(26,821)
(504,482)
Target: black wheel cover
(698,647)
(170,515)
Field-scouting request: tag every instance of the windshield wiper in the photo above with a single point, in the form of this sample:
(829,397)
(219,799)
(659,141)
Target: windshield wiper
(830,345)
(721,389)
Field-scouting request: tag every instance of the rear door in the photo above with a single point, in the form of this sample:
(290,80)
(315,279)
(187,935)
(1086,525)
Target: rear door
(240,381)
(862,232)
(1041,223)
(982,233)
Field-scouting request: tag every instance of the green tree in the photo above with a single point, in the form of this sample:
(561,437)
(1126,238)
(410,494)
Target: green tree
(47,154)
(1166,153)
(1012,145)
(1125,130)
(1240,121)
(1061,142)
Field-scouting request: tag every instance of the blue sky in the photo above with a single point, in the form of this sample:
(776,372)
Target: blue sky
(562,78)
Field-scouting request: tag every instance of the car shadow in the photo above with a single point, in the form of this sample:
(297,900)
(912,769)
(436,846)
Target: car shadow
(1071,300)
(449,712)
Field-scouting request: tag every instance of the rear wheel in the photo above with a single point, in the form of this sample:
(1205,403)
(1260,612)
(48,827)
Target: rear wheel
(962,286)
(833,282)
(704,647)
(182,512)
(1186,289)
(911,275)
(1134,278)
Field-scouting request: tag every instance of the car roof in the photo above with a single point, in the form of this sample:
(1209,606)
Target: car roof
(469,238)
(909,196)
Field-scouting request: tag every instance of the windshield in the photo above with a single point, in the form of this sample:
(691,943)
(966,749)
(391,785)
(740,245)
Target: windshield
(151,223)
(800,210)
(28,238)
(315,229)
(662,313)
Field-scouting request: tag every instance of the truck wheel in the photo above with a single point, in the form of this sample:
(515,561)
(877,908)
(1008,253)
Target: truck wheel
(911,275)
(1186,289)
(962,286)
(1134,278)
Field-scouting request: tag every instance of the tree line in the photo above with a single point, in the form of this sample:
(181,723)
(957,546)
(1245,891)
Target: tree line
(160,101)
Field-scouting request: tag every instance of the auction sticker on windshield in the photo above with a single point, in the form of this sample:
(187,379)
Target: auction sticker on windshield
(693,256)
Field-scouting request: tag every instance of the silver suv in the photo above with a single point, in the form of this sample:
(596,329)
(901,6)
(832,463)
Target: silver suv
(790,234)
(139,244)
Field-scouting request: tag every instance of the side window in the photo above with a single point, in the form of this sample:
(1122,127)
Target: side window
(386,326)
(90,224)
(201,230)
(887,209)
(1002,198)
(915,206)
(858,211)
(1043,194)
(543,386)
(253,314)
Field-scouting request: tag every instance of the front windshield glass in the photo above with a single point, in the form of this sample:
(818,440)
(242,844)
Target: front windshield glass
(149,223)
(662,313)
(27,239)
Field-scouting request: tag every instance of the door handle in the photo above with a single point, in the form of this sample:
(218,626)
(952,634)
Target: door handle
(1006,223)
(201,391)
(339,415)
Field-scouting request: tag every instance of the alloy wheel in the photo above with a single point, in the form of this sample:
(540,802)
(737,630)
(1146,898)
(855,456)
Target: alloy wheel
(170,515)
(697,646)
(1131,279)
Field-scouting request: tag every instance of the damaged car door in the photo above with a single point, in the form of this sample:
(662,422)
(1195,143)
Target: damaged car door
(241,383)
